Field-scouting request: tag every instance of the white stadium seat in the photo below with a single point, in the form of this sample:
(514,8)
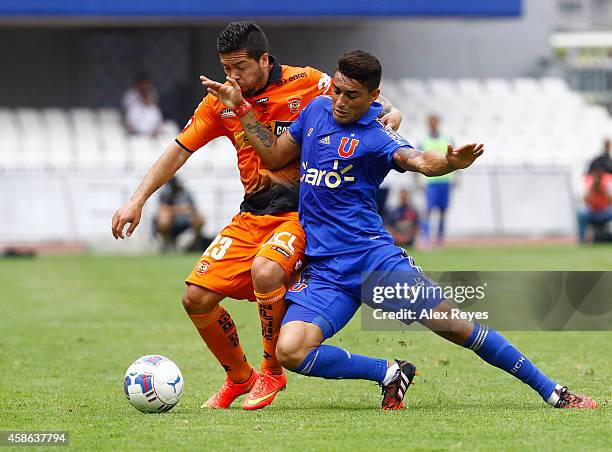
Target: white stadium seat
(522,121)
(519,120)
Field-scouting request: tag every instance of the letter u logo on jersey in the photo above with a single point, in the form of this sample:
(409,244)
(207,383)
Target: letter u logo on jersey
(346,153)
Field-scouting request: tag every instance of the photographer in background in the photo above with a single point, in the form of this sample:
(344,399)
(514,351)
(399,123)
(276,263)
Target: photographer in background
(178,213)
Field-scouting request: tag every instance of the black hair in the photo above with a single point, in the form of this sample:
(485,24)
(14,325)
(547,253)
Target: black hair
(245,35)
(361,66)
(141,76)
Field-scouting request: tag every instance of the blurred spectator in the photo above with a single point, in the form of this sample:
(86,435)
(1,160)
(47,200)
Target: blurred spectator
(404,221)
(141,110)
(597,208)
(438,188)
(178,213)
(603,161)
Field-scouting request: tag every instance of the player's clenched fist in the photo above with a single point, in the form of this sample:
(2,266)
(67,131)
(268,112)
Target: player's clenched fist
(130,213)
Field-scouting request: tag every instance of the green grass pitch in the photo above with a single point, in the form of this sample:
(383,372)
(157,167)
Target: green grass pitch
(71,326)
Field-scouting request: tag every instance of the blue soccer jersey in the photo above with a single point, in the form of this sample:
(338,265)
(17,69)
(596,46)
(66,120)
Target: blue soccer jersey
(341,170)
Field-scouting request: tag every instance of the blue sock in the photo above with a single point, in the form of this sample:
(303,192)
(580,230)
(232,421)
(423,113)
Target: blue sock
(327,361)
(497,351)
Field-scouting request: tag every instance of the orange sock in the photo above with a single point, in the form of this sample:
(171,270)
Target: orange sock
(272,308)
(219,332)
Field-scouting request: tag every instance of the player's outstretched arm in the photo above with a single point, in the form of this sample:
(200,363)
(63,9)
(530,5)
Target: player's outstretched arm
(432,163)
(172,159)
(274,152)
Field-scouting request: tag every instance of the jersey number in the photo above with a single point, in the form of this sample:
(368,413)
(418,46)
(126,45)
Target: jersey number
(218,247)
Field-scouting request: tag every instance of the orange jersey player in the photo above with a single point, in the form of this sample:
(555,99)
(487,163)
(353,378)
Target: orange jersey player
(258,253)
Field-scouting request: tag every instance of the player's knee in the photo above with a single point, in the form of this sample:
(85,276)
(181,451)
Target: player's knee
(196,300)
(295,342)
(267,275)
(461,331)
(291,353)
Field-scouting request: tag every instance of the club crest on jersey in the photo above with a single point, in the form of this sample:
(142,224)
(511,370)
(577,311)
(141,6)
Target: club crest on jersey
(294,103)
(188,124)
(202,267)
(342,149)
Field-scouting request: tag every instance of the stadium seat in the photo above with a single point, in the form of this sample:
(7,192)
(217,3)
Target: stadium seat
(505,114)
(508,115)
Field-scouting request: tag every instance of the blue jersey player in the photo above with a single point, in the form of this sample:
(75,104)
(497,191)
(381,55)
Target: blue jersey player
(345,155)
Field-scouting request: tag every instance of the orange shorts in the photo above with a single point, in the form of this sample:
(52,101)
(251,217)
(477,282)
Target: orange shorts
(225,266)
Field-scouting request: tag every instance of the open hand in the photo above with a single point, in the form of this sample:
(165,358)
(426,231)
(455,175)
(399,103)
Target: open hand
(230,95)
(463,156)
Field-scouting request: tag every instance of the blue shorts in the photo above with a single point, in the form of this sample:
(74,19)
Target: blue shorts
(437,194)
(329,292)
(304,314)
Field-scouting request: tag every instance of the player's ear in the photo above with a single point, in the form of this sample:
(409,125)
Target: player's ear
(264,60)
(374,94)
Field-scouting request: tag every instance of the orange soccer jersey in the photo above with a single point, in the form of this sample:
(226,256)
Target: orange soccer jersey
(277,105)
(268,223)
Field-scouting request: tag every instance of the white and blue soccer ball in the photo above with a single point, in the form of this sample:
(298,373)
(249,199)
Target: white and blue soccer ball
(153,384)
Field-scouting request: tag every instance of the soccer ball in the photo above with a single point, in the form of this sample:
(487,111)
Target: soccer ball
(153,384)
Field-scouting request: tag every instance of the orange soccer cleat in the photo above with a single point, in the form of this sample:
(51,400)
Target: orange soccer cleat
(229,392)
(264,390)
(569,399)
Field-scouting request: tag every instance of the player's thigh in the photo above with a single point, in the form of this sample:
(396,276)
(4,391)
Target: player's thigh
(321,302)
(430,307)
(394,268)
(225,266)
(285,246)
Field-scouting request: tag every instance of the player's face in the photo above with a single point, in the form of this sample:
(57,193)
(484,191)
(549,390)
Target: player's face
(350,99)
(250,74)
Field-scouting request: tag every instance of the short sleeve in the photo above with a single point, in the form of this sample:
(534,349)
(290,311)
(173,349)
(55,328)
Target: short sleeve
(202,127)
(389,146)
(306,117)
(296,128)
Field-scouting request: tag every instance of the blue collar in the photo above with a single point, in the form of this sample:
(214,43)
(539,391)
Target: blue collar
(370,115)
